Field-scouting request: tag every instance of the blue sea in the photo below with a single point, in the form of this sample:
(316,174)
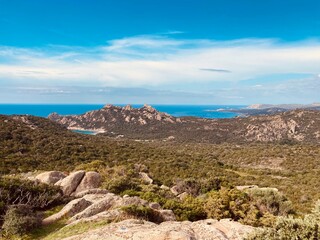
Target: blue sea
(43,110)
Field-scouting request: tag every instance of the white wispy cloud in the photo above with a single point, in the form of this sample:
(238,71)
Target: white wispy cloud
(159,60)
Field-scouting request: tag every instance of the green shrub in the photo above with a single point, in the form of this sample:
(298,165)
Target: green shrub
(271,200)
(195,186)
(189,209)
(19,220)
(227,204)
(122,184)
(92,166)
(39,196)
(131,193)
(159,197)
(143,212)
(288,228)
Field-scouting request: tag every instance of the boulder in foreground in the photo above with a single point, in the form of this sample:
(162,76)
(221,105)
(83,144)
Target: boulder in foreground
(143,230)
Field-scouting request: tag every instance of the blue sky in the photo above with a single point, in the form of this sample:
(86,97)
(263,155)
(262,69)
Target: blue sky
(160,51)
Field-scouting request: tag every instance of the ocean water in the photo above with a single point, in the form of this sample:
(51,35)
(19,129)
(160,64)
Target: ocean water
(85,132)
(43,110)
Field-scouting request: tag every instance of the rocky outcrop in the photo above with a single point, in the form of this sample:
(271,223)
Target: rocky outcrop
(50,177)
(110,208)
(143,230)
(71,182)
(76,184)
(176,190)
(145,178)
(147,123)
(94,207)
(72,208)
(90,191)
(103,204)
(114,117)
(90,180)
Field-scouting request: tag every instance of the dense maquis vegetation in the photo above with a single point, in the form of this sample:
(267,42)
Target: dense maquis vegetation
(207,172)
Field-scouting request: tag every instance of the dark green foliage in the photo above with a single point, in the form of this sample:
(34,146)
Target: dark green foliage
(239,206)
(271,201)
(198,186)
(288,228)
(121,178)
(16,191)
(228,204)
(143,212)
(121,184)
(293,169)
(19,220)
(189,209)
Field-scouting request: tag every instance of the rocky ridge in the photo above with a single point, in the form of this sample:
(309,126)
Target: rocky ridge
(113,116)
(146,123)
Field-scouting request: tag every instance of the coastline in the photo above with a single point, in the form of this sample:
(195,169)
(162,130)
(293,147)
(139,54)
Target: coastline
(87,131)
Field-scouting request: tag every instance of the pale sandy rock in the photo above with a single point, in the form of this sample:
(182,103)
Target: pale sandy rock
(121,202)
(175,190)
(244,187)
(91,191)
(128,108)
(97,207)
(167,215)
(170,138)
(183,196)
(90,180)
(145,177)
(103,203)
(143,230)
(155,205)
(110,215)
(71,182)
(95,197)
(69,210)
(50,177)
(164,187)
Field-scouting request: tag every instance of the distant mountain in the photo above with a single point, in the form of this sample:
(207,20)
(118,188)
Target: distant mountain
(147,123)
(114,117)
(284,106)
(267,109)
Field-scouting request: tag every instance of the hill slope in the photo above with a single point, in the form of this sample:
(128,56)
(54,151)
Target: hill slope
(148,123)
(29,143)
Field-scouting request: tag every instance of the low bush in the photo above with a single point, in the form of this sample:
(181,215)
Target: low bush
(287,228)
(195,186)
(16,191)
(189,209)
(271,200)
(121,184)
(19,220)
(143,212)
(237,205)
(227,204)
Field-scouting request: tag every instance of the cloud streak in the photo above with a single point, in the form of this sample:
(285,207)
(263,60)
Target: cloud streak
(156,60)
(215,70)
(160,61)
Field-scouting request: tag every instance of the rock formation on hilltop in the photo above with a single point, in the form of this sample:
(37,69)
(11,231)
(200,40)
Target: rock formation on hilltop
(114,117)
(147,123)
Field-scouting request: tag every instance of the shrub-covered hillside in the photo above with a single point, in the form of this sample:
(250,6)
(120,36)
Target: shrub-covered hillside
(29,143)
